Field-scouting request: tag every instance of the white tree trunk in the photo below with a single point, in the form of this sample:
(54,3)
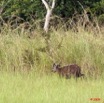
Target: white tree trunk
(47,20)
(48,15)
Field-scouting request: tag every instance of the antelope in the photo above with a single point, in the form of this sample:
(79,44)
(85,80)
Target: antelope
(68,70)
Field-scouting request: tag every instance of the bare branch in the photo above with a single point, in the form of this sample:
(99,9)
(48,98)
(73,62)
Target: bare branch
(1,10)
(53,4)
(85,12)
(46,4)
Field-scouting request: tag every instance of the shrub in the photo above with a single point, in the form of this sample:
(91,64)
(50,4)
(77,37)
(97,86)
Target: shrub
(101,19)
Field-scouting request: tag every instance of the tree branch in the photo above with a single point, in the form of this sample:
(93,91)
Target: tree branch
(46,4)
(53,4)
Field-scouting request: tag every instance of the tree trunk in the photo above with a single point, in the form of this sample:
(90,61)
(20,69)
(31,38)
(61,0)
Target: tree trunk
(48,15)
(47,20)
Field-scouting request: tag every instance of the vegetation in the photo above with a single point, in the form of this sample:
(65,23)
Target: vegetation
(48,88)
(34,9)
(27,53)
(22,49)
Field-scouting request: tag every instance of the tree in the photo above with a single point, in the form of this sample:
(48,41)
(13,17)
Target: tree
(33,9)
(49,13)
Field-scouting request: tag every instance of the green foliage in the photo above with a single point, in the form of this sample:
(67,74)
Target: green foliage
(27,9)
(98,8)
(22,8)
(101,19)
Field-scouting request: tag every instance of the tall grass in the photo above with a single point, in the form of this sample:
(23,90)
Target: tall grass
(22,50)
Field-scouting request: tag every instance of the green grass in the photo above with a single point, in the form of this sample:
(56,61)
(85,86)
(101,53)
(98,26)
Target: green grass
(48,89)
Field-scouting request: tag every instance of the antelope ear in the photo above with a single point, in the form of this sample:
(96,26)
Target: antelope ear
(54,64)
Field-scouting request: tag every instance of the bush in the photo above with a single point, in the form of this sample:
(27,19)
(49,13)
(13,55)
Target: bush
(24,9)
(98,8)
(28,9)
(101,19)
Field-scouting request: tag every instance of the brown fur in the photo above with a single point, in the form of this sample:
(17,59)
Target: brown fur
(68,71)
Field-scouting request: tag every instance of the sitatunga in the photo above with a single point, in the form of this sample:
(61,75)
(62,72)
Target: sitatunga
(68,70)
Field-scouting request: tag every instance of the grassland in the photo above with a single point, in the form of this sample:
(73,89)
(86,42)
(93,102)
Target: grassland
(26,62)
(48,89)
